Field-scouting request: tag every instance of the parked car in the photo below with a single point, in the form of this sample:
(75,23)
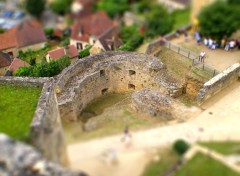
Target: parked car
(2,21)
(18,15)
(9,24)
(7,14)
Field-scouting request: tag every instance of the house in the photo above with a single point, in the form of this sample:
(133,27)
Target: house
(175,4)
(5,62)
(70,51)
(24,36)
(16,64)
(97,30)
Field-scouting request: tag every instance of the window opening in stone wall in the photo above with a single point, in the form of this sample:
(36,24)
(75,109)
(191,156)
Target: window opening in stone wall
(132,72)
(104,91)
(131,87)
(102,73)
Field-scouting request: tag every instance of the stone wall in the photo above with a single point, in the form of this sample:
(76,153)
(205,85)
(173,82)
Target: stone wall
(219,82)
(46,128)
(17,159)
(112,72)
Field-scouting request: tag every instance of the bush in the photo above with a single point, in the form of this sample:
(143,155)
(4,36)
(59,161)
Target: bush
(44,69)
(85,52)
(181,146)
(48,31)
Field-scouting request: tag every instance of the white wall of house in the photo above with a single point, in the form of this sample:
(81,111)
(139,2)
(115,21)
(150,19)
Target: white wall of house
(74,42)
(33,47)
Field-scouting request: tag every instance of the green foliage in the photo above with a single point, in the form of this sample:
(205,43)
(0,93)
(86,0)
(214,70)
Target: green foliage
(48,31)
(159,21)
(219,19)
(17,104)
(181,18)
(32,61)
(61,7)
(2,30)
(113,7)
(236,2)
(131,38)
(44,69)
(85,52)
(65,41)
(35,7)
(144,6)
(180,146)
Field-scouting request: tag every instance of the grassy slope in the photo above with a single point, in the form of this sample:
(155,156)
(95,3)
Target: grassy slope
(167,158)
(17,107)
(115,114)
(226,148)
(201,165)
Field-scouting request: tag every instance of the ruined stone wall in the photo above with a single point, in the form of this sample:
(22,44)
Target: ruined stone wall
(22,160)
(113,72)
(219,82)
(46,129)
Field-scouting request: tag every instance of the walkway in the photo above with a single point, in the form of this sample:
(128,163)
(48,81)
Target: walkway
(218,121)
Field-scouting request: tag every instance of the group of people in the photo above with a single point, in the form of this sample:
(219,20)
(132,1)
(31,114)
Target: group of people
(214,44)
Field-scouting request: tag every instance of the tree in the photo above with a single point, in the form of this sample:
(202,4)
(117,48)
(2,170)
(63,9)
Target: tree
(180,146)
(113,7)
(159,21)
(219,19)
(61,7)
(35,7)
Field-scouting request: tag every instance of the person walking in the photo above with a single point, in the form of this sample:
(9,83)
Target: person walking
(127,138)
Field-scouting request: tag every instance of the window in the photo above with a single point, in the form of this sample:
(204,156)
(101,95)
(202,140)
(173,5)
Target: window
(131,87)
(132,72)
(102,73)
(104,91)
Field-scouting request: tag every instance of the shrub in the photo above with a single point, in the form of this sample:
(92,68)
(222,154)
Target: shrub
(85,52)
(181,146)
(44,69)
(48,31)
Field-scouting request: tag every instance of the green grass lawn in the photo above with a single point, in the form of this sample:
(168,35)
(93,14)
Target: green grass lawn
(182,18)
(168,158)
(201,165)
(17,107)
(226,148)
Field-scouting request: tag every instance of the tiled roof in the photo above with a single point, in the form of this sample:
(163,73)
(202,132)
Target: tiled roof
(110,37)
(16,64)
(58,53)
(92,25)
(5,59)
(24,34)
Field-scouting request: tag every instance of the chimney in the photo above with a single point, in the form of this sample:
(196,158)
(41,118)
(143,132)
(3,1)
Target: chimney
(80,31)
(66,50)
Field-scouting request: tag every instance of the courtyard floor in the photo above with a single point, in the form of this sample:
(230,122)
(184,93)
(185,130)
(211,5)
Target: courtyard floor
(218,59)
(218,121)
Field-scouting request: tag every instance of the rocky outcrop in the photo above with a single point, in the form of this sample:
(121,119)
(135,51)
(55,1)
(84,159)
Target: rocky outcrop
(17,159)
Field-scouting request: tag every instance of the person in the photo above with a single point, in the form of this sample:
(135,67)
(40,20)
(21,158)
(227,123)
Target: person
(198,37)
(201,56)
(127,138)
(210,43)
(205,41)
(185,36)
(231,44)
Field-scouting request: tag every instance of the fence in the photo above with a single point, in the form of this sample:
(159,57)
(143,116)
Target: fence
(193,57)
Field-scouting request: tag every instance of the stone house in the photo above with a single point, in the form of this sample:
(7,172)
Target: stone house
(5,62)
(69,50)
(16,64)
(24,36)
(97,30)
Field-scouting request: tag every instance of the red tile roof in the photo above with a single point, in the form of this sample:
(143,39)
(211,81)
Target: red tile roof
(95,25)
(16,64)
(5,59)
(58,53)
(24,34)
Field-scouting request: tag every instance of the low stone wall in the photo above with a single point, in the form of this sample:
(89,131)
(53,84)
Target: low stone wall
(105,73)
(21,160)
(46,129)
(219,82)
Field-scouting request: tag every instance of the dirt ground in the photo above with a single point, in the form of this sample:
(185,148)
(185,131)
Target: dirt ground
(219,120)
(218,59)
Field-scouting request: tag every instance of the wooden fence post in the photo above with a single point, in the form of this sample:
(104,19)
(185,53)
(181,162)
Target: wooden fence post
(188,54)
(203,66)
(214,72)
(178,50)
